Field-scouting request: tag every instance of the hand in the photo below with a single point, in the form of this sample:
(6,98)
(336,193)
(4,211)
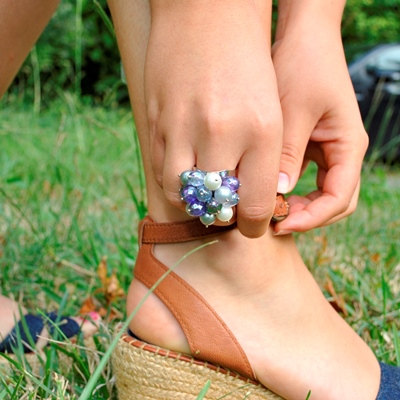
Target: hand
(212,101)
(322,123)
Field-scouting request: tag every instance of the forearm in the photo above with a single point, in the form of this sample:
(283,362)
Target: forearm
(211,15)
(21,23)
(312,17)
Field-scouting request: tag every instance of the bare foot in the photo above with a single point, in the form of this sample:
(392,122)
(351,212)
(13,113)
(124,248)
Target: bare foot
(10,315)
(293,338)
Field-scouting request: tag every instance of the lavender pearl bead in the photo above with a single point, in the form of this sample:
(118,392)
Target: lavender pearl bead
(188,193)
(196,178)
(203,194)
(196,209)
(223,195)
(231,182)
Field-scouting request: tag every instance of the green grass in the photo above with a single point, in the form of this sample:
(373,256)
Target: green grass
(66,187)
(71,192)
(361,256)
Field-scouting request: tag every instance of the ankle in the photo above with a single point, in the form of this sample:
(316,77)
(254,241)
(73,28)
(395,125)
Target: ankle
(230,257)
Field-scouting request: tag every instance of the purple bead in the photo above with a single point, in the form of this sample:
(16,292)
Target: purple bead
(196,209)
(231,182)
(203,194)
(188,193)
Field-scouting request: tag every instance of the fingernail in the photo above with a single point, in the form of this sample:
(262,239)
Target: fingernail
(283,232)
(283,183)
(94,315)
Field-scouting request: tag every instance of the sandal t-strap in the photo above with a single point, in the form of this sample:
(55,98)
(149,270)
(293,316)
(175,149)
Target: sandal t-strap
(145,371)
(208,336)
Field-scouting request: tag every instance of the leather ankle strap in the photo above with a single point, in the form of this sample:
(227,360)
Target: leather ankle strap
(151,232)
(184,231)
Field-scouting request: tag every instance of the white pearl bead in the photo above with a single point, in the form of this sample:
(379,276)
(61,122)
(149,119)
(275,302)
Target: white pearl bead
(225,214)
(212,181)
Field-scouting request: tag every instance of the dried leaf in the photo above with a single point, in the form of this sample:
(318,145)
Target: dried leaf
(114,314)
(88,306)
(111,287)
(375,257)
(102,270)
(337,301)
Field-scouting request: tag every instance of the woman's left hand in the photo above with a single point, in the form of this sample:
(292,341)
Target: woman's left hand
(322,123)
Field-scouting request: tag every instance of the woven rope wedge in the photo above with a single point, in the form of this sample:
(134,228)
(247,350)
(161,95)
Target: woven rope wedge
(147,372)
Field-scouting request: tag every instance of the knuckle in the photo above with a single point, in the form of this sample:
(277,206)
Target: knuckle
(266,125)
(153,120)
(173,198)
(256,214)
(218,122)
(343,207)
(291,154)
(352,207)
(359,141)
(159,179)
(214,123)
(364,140)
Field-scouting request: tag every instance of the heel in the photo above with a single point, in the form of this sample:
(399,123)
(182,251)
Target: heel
(144,371)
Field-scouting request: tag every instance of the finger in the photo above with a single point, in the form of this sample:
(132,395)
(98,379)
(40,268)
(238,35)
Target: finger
(173,166)
(322,207)
(350,210)
(217,151)
(258,190)
(157,158)
(296,134)
(299,203)
(252,147)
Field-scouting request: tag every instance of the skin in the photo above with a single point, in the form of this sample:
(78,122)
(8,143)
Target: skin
(278,314)
(232,126)
(22,23)
(322,122)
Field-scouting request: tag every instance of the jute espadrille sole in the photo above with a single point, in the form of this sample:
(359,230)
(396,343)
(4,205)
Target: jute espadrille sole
(144,371)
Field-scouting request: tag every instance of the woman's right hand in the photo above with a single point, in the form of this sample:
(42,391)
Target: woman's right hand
(212,101)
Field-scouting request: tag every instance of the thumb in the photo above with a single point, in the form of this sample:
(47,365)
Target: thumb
(296,135)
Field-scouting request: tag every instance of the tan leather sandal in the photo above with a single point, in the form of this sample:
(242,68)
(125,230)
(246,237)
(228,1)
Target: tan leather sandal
(144,371)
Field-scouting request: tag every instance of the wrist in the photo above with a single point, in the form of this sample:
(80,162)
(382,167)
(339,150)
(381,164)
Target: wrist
(309,18)
(216,19)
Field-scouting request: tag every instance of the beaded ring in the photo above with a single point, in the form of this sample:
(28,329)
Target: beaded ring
(209,195)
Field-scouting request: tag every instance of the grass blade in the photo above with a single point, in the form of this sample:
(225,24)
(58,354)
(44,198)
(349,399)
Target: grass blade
(87,392)
(106,19)
(204,390)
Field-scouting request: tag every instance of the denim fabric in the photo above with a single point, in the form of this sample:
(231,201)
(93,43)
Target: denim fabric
(35,325)
(390,383)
